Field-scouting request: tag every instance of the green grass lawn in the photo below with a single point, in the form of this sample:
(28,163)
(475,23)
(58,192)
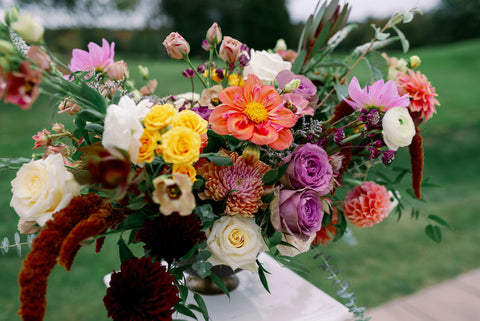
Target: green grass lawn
(391,259)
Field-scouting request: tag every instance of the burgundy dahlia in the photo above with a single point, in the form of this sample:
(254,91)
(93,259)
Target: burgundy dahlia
(171,237)
(141,290)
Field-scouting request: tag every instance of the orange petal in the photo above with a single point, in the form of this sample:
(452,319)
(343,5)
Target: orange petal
(284,117)
(283,141)
(218,122)
(252,88)
(240,127)
(230,96)
(264,135)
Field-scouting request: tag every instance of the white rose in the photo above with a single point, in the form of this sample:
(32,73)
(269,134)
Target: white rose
(235,241)
(41,188)
(398,128)
(29,29)
(123,128)
(265,66)
(299,245)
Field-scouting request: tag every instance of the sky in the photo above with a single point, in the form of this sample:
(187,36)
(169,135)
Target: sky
(361,9)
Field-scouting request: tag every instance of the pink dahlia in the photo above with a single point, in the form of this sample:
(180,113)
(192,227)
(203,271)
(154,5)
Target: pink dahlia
(241,184)
(421,92)
(380,95)
(255,113)
(97,58)
(367,204)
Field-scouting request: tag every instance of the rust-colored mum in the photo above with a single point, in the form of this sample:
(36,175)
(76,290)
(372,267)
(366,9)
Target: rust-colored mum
(43,257)
(416,162)
(327,232)
(341,110)
(347,157)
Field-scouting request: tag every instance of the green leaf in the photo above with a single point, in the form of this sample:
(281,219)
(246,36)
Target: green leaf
(184,310)
(341,90)
(434,233)
(219,160)
(378,34)
(91,115)
(377,65)
(116,97)
(96,100)
(262,276)
(125,252)
(272,176)
(92,127)
(132,221)
(183,290)
(201,305)
(202,268)
(275,239)
(205,212)
(81,124)
(221,285)
(403,39)
(439,220)
(297,65)
(407,16)
(268,198)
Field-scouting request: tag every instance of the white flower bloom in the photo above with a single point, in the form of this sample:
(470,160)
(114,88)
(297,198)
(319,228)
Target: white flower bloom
(28,28)
(41,188)
(235,241)
(123,128)
(398,128)
(265,66)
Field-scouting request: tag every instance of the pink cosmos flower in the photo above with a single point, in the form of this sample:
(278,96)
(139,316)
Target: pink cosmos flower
(255,113)
(97,58)
(297,104)
(22,86)
(380,95)
(421,92)
(367,204)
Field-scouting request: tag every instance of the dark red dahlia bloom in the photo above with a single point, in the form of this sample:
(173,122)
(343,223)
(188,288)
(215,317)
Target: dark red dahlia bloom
(171,237)
(23,86)
(141,290)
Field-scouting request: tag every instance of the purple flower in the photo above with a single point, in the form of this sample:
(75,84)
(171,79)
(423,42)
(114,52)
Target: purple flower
(203,111)
(388,156)
(188,73)
(308,167)
(339,136)
(380,95)
(299,213)
(306,88)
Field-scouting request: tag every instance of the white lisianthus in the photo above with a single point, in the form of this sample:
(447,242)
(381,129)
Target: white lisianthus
(398,128)
(235,241)
(28,28)
(265,66)
(41,188)
(299,245)
(123,127)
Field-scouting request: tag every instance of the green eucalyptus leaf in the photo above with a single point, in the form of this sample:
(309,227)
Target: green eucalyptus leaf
(377,65)
(439,220)
(403,39)
(434,233)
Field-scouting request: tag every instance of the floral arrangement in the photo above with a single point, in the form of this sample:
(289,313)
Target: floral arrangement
(273,155)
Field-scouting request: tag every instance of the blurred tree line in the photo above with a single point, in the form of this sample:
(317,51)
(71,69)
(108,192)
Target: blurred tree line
(257,23)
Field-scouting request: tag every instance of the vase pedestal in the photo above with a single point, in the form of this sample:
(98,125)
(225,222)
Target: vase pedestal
(292,298)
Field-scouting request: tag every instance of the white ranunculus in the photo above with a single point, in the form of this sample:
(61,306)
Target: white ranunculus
(299,245)
(28,28)
(398,128)
(235,241)
(123,128)
(265,66)
(41,188)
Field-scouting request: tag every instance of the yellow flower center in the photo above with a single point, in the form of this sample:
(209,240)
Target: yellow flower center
(256,112)
(236,238)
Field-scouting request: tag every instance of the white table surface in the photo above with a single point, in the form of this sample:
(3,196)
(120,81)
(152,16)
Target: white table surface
(292,299)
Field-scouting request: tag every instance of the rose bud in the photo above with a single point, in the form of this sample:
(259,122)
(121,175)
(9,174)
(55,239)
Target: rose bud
(214,34)
(39,58)
(118,70)
(177,47)
(230,49)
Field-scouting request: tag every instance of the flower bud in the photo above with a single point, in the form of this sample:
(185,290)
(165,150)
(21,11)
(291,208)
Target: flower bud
(214,34)
(388,156)
(41,138)
(59,128)
(177,47)
(291,86)
(205,45)
(201,68)
(415,61)
(143,72)
(230,49)
(6,47)
(339,136)
(68,107)
(118,70)
(29,29)
(39,58)
(188,73)
(280,45)
(251,154)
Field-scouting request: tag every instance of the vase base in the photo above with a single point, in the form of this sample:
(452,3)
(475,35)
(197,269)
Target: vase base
(208,287)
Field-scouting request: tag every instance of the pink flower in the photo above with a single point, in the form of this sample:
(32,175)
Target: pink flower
(297,104)
(379,95)
(118,70)
(367,204)
(230,49)
(23,86)
(421,92)
(39,58)
(97,58)
(176,45)
(41,138)
(214,34)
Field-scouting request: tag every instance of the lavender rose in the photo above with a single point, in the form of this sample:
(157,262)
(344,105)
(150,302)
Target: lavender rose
(298,213)
(308,167)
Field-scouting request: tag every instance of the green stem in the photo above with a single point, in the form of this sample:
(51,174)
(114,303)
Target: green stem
(195,70)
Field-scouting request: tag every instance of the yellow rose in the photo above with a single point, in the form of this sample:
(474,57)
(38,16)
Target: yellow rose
(159,116)
(190,119)
(181,145)
(188,170)
(149,142)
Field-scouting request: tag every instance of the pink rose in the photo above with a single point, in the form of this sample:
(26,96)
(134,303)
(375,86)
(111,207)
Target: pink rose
(214,34)
(230,49)
(39,58)
(176,45)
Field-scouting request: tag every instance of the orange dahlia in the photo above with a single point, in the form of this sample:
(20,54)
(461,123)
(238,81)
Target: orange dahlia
(255,113)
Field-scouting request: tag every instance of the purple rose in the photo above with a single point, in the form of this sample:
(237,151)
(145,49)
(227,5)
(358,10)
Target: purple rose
(308,167)
(299,213)
(306,88)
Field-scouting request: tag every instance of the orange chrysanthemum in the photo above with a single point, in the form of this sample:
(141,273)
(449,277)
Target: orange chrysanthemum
(255,113)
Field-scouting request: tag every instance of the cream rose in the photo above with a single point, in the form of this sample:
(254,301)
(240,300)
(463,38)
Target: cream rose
(28,28)
(235,241)
(398,128)
(123,128)
(41,188)
(265,66)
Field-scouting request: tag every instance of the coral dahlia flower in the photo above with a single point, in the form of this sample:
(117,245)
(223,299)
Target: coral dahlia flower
(380,95)
(421,92)
(367,204)
(255,113)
